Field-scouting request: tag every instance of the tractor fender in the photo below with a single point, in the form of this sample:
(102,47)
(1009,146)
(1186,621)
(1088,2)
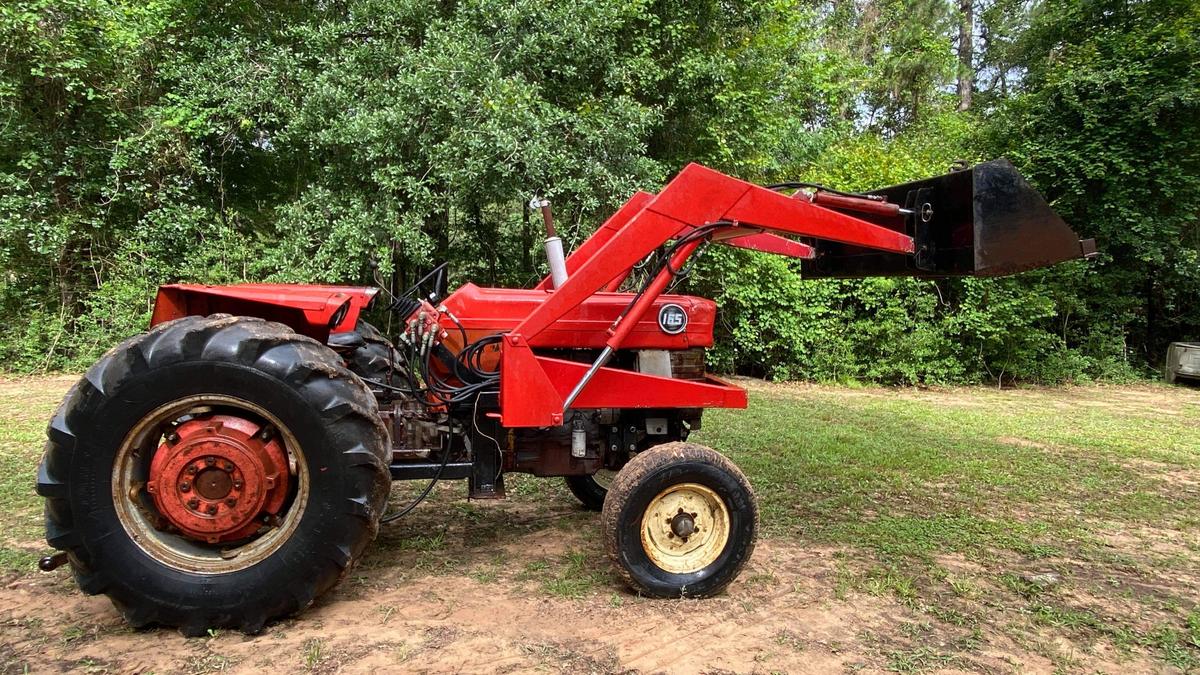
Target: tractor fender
(312,310)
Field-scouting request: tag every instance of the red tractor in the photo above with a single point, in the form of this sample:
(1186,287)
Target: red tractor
(231,464)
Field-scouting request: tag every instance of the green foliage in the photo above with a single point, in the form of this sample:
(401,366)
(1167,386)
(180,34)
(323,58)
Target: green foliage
(152,142)
(1108,126)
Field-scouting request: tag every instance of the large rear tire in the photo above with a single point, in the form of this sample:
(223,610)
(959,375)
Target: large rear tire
(371,356)
(246,390)
(680,520)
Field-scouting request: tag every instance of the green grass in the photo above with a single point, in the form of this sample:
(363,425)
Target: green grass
(1006,480)
(966,470)
(25,408)
(941,501)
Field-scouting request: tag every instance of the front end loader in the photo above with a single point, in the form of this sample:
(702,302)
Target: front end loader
(231,464)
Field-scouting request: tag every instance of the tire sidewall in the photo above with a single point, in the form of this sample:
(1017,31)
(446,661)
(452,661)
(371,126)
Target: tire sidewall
(588,491)
(101,432)
(739,504)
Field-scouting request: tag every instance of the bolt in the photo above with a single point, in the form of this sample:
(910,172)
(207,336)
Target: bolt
(209,461)
(684,539)
(172,438)
(193,503)
(191,469)
(212,509)
(185,486)
(237,485)
(633,446)
(670,535)
(614,447)
(231,502)
(228,466)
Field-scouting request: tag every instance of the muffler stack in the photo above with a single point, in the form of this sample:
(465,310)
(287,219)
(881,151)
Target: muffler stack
(985,220)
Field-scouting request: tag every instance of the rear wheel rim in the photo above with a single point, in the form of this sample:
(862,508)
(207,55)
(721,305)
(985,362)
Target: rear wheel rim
(685,528)
(162,535)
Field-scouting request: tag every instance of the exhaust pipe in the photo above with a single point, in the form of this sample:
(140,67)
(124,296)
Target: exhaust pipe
(552,243)
(985,220)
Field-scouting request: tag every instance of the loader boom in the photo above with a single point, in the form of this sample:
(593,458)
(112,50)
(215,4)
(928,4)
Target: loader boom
(945,226)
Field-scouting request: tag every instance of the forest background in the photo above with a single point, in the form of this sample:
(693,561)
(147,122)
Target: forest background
(363,141)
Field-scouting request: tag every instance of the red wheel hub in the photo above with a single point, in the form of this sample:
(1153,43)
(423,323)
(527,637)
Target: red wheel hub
(214,478)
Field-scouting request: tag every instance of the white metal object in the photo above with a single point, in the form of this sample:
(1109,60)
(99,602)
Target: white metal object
(1183,360)
(654,362)
(558,262)
(656,426)
(578,437)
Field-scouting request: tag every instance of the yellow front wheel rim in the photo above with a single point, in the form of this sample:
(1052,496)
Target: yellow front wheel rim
(685,528)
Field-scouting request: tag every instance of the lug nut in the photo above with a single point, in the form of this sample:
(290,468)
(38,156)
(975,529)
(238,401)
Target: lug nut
(193,503)
(231,502)
(237,485)
(209,461)
(212,509)
(228,466)
(191,469)
(172,438)
(185,486)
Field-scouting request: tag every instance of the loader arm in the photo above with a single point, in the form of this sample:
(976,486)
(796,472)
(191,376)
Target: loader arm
(698,204)
(968,222)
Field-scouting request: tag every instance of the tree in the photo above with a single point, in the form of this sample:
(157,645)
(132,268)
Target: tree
(1107,124)
(966,53)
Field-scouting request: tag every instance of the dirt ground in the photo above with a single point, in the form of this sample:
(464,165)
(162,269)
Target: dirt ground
(783,615)
(522,585)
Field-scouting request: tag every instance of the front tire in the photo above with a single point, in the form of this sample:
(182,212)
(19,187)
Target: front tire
(680,520)
(249,394)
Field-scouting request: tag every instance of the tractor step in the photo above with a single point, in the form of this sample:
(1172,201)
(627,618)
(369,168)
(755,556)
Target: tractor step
(427,470)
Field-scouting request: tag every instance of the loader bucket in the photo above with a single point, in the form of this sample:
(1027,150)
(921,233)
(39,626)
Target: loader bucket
(982,221)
